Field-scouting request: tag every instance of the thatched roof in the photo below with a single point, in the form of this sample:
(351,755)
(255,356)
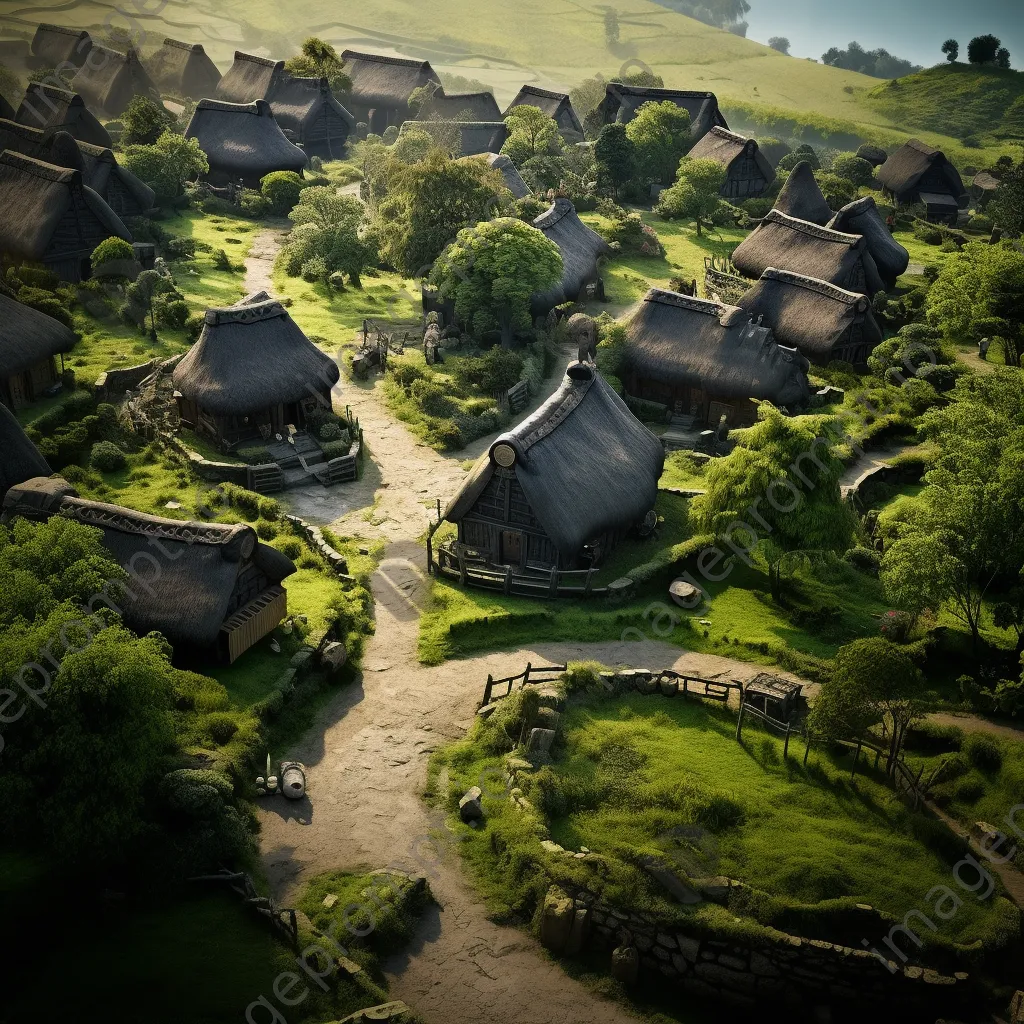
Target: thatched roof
(44,106)
(585,463)
(184,69)
(725,147)
(689,341)
(243,139)
(801,197)
(42,194)
(249,78)
(902,172)
(513,180)
(985,181)
(581,248)
(621,102)
(460,106)
(186,573)
(27,337)
(98,165)
(6,110)
(875,155)
(385,82)
(54,45)
(22,460)
(861,217)
(251,357)
(298,102)
(557,105)
(808,315)
(110,80)
(805,248)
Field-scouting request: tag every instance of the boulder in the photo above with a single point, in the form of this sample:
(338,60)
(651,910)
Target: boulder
(557,919)
(334,656)
(540,741)
(625,965)
(578,931)
(470,808)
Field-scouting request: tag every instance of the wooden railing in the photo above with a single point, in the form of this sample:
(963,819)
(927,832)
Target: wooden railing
(536,583)
(531,675)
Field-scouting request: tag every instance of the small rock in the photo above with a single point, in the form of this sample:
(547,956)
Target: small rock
(557,919)
(334,656)
(625,965)
(330,900)
(550,847)
(470,808)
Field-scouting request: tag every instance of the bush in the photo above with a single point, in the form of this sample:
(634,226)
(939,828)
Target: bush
(853,168)
(110,250)
(896,626)
(867,560)
(221,261)
(446,435)
(942,378)
(265,530)
(928,233)
(48,303)
(330,431)
(315,270)
(106,457)
(253,203)
(336,449)
(178,247)
(281,189)
(983,752)
(221,726)
(254,455)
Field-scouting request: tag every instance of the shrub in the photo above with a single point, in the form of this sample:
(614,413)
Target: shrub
(110,250)
(106,457)
(254,455)
(942,378)
(179,248)
(171,311)
(221,261)
(853,168)
(221,726)
(896,626)
(446,435)
(336,449)
(970,789)
(330,431)
(291,547)
(48,303)
(928,233)
(265,530)
(254,204)
(983,752)
(315,269)
(865,559)
(281,189)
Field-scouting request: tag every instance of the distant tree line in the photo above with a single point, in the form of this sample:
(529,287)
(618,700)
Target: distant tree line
(986,49)
(878,63)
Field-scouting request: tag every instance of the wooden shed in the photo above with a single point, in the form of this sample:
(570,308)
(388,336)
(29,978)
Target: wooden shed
(110,80)
(582,250)
(559,490)
(45,106)
(747,171)
(621,102)
(557,105)
(916,173)
(308,112)
(381,87)
(55,46)
(184,70)
(30,342)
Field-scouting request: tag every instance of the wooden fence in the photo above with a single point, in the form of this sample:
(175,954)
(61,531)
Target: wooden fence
(532,583)
(516,398)
(282,920)
(531,675)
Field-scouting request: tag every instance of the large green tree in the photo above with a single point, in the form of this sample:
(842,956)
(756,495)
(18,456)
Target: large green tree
(144,122)
(168,164)
(660,134)
(616,158)
(328,228)
(318,59)
(696,194)
(531,133)
(1007,206)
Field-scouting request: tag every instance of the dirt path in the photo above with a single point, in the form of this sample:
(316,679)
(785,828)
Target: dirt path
(259,264)
(867,464)
(974,723)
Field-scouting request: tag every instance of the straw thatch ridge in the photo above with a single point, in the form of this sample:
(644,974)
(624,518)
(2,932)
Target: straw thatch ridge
(460,106)
(804,248)
(916,167)
(581,248)
(46,106)
(28,337)
(22,460)
(55,45)
(110,80)
(801,196)
(252,357)
(249,78)
(557,105)
(585,463)
(861,217)
(184,69)
(621,102)
(308,109)
(742,159)
(685,341)
(381,86)
(242,140)
(822,321)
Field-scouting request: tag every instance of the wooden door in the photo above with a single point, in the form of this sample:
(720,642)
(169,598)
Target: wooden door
(511,547)
(19,393)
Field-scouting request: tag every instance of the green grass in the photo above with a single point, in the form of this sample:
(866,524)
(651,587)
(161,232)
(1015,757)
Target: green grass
(682,471)
(203,286)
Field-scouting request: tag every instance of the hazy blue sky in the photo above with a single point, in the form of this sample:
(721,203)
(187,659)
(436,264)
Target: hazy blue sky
(913,29)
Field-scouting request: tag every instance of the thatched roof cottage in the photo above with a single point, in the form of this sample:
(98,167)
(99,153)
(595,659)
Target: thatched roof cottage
(252,369)
(249,78)
(801,197)
(621,102)
(307,110)
(706,359)
(916,173)
(60,219)
(54,46)
(242,141)
(22,459)
(209,587)
(381,87)
(184,69)
(561,488)
(29,344)
(110,80)
(122,191)
(581,248)
(45,106)
(822,321)
(557,105)
(460,106)
(804,248)
(861,217)
(748,172)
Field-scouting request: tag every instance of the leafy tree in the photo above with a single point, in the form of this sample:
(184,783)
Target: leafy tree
(1003,58)
(141,299)
(616,158)
(660,134)
(144,122)
(1007,206)
(780,43)
(167,165)
(878,63)
(697,193)
(318,59)
(544,172)
(530,133)
(327,237)
(491,272)
(854,168)
(951,48)
(611,26)
(983,49)
(282,190)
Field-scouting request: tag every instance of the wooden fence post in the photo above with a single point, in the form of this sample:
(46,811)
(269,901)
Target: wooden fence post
(526,675)
(430,554)
(785,747)
(739,720)
(508,579)
(807,746)
(587,585)
(487,690)
(462,567)
(856,758)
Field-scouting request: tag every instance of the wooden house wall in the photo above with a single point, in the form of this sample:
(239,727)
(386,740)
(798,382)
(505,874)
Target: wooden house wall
(29,385)
(253,622)
(694,400)
(744,179)
(326,135)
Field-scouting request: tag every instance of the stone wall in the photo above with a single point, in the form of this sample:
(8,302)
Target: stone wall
(112,385)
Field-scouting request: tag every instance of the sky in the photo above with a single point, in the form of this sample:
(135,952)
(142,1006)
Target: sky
(912,29)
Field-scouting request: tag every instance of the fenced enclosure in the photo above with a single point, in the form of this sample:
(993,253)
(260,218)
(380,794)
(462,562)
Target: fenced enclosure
(540,674)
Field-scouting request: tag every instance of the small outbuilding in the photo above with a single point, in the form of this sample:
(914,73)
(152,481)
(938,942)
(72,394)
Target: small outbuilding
(801,196)
(559,490)
(861,217)
(801,247)
(30,342)
(820,320)
(184,70)
(110,80)
(916,173)
(22,459)
(748,172)
(381,87)
(308,112)
(60,219)
(460,106)
(708,360)
(242,141)
(251,373)
(55,46)
(621,102)
(557,105)
(249,78)
(47,107)
(582,249)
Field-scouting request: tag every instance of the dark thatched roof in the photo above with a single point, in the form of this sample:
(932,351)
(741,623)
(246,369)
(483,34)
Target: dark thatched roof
(249,78)
(385,82)
(251,357)
(184,575)
(915,165)
(621,102)
(725,147)
(98,165)
(557,105)
(683,340)
(243,139)
(110,80)
(581,248)
(861,217)
(585,463)
(54,45)
(475,137)
(27,337)
(42,194)
(6,110)
(22,460)
(808,315)
(985,181)
(875,155)
(805,248)
(460,106)
(513,180)
(45,106)
(184,69)
(801,197)
(297,102)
